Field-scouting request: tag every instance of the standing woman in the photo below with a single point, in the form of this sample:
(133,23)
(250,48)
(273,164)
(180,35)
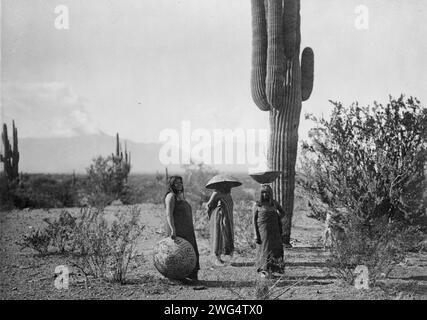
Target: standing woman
(268,230)
(220,212)
(180,219)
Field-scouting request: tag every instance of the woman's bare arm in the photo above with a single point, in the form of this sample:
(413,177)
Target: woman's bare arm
(279,208)
(170,206)
(211,204)
(212,200)
(255,222)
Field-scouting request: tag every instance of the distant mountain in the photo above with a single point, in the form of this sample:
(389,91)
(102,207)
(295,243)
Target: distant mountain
(63,155)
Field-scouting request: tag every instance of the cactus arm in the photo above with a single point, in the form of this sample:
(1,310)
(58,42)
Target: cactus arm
(10,158)
(275,54)
(259,55)
(307,73)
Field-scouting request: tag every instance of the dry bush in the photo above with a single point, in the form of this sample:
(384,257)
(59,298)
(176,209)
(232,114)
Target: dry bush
(39,191)
(124,234)
(195,177)
(37,240)
(145,189)
(107,250)
(91,242)
(370,162)
(379,246)
(61,231)
(106,181)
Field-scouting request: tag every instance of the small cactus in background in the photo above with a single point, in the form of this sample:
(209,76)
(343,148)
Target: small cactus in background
(10,158)
(121,166)
(121,161)
(279,84)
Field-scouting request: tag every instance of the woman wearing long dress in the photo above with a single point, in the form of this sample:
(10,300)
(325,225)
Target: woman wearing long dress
(221,225)
(268,230)
(180,219)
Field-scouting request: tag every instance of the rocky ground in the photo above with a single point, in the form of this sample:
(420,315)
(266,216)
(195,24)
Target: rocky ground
(26,275)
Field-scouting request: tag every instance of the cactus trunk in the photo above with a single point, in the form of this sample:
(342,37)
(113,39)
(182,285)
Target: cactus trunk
(15,153)
(10,158)
(282,154)
(279,84)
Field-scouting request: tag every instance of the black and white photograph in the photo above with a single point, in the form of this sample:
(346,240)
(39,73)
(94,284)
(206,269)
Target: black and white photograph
(238,151)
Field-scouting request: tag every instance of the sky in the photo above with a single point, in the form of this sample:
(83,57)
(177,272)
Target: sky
(141,66)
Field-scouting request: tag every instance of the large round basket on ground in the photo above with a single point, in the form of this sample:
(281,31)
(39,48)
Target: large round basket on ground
(175,259)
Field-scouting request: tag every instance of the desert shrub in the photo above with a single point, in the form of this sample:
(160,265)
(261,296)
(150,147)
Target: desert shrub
(124,234)
(244,194)
(61,231)
(106,181)
(145,189)
(195,177)
(37,240)
(107,250)
(380,246)
(6,196)
(91,242)
(40,191)
(371,162)
(67,192)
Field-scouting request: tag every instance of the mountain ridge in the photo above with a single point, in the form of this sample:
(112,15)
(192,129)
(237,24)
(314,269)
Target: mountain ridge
(68,154)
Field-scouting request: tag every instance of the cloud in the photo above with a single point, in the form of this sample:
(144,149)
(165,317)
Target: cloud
(47,110)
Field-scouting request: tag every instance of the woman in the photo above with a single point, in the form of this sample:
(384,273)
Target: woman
(268,230)
(180,219)
(220,212)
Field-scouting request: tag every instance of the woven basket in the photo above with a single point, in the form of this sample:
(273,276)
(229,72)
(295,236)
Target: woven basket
(265,177)
(174,259)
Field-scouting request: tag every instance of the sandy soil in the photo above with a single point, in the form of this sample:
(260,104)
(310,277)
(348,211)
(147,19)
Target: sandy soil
(25,275)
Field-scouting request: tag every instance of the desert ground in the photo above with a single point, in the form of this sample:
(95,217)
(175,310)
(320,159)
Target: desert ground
(26,275)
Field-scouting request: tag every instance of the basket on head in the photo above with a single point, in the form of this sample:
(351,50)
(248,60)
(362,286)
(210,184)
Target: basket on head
(221,180)
(266,176)
(175,259)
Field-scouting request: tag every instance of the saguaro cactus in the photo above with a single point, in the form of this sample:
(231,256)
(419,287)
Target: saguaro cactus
(279,84)
(10,158)
(121,168)
(121,162)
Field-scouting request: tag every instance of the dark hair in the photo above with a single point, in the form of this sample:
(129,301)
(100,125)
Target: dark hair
(171,188)
(265,188)
(223,188)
